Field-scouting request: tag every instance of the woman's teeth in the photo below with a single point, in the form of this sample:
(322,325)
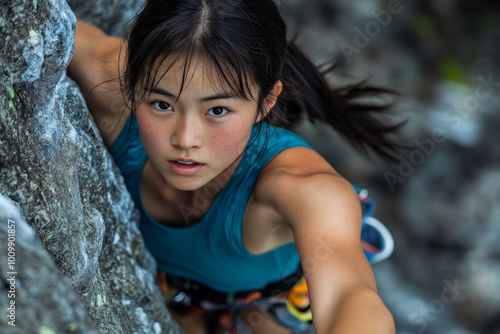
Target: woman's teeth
(186,162)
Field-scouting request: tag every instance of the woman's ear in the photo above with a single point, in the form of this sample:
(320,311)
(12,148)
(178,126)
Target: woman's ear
(271,98)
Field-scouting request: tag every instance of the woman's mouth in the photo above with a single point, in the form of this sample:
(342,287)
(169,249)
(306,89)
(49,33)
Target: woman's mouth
(185,167)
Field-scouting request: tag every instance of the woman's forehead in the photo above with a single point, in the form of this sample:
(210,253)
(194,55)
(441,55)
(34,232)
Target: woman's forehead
(180,73)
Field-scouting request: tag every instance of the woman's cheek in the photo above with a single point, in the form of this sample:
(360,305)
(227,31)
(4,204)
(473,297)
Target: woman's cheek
(149,131)
(232,141)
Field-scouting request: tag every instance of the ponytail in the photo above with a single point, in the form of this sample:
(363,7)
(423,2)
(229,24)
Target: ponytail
(305,90)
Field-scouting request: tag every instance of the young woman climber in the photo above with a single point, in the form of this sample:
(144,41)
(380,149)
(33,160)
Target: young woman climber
(252,230)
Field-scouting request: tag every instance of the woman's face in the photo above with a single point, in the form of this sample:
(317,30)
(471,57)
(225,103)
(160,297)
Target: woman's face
(193,138)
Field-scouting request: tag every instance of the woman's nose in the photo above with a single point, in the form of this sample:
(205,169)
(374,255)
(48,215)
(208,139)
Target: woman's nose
(187,133)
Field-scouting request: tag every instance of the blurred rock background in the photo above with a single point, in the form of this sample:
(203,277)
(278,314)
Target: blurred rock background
(441,202)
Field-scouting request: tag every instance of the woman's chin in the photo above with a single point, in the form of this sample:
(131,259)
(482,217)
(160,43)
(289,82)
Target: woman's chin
(185,183)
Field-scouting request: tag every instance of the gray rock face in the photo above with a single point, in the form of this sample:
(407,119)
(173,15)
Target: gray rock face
(54,165)
(34,284)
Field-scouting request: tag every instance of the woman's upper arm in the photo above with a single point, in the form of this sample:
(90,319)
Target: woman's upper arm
(96,69)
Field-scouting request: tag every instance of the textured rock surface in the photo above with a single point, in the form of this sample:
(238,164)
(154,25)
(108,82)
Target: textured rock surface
(53,163)
(109,15)
(33,283)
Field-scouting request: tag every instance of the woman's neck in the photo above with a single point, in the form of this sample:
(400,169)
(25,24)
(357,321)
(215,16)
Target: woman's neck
(172,206)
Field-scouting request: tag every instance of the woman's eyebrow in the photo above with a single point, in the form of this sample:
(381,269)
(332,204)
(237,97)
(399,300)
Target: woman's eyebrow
(216,96)
(162,91)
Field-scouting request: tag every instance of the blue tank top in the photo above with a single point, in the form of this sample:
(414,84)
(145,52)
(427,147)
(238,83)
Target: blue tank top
(212,251)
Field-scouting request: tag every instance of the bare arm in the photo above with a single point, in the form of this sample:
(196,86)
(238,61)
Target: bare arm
(343,291)
(96,67)
(324,214)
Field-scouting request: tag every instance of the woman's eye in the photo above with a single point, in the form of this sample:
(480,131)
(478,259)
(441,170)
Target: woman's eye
(218,111)
(162,106)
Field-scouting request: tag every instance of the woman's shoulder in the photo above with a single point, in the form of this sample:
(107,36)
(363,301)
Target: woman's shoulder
(298,172)
(298,191)
(297,161)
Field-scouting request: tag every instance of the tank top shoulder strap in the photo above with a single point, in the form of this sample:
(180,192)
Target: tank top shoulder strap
(266,141)
(129,155)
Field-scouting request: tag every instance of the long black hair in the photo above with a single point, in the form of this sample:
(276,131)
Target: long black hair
(243,42)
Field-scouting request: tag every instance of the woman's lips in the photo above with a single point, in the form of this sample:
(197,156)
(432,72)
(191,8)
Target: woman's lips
(185,167)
